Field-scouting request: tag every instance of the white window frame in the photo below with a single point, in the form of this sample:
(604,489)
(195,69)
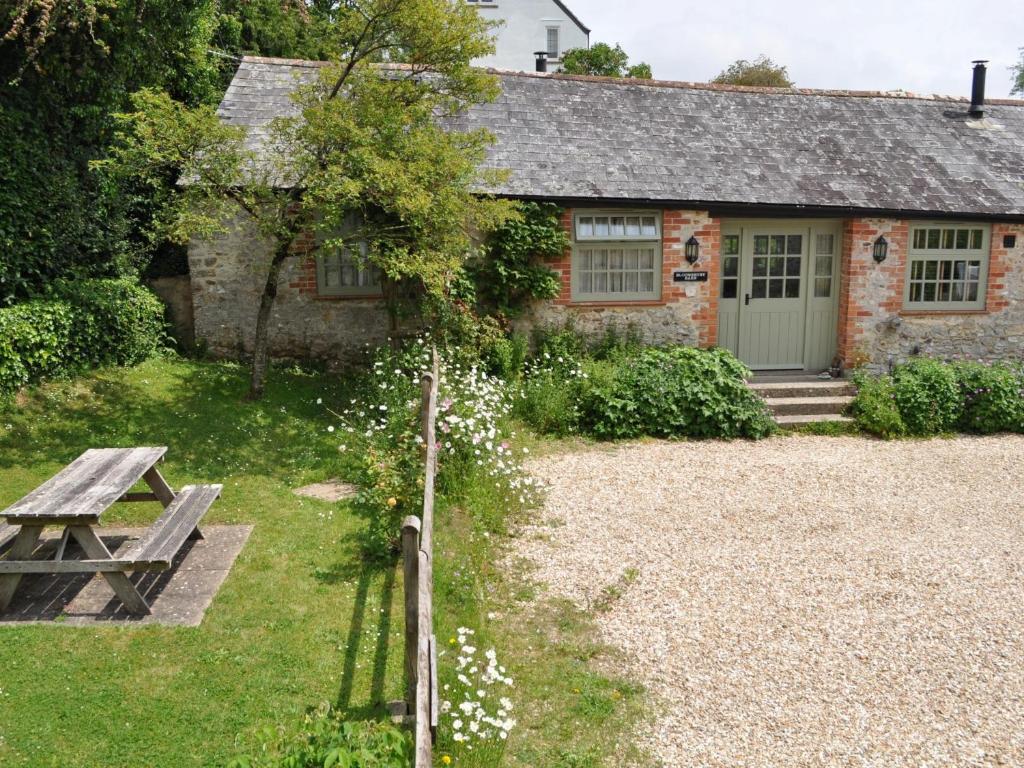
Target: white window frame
(555,55)
(918,251)
(586,242)
(332,262)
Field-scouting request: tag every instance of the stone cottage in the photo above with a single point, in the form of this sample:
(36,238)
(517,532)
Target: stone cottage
(791,226)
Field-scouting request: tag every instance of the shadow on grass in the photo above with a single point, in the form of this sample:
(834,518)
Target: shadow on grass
(373,577)
(198,410)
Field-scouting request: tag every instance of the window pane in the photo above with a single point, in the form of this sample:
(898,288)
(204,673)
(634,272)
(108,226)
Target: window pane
(647,259)
(958,292)
(731,266)
(600,282)
(947,238)
(731,245)
(776,266)
(615,282)
(553,42)
(759,289)
(793,266)
(631,259)
(972,291)
(730,288)
(650,226)
(916,270)
(961,239)
(586,282)
(615,259)
(631,282)
(633,225)
(601,226)
(974,270)
(931,270)
(760,266)
(929,291)
(823,266)
(618,226)
(795,244)
(943,291)
(920,238)
(760,245)
(600,260)
(793,288)
(586,259)
(825,244)
(822,287)
(976,238)
(647,282)
(778,244)
(585,227)
(945,270)
(915,292)
(775,289)
(933,238)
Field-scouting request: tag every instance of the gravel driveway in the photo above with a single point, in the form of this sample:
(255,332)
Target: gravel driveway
(805,601)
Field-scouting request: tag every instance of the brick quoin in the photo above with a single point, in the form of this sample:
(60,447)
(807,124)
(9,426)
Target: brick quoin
(677,227)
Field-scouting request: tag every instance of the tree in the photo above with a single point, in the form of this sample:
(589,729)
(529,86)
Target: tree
(602,60)
(762,71)
(1018,75)
(368,142)
(64,67)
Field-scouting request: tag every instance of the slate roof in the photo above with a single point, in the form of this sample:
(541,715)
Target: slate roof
(595,139)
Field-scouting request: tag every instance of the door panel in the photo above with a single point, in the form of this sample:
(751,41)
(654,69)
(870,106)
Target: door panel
(790,272)
(772,284)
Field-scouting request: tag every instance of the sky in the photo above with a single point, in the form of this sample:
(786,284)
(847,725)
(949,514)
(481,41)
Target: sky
(922,46)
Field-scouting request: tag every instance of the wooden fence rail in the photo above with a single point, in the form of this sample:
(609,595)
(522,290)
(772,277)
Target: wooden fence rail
(421,698)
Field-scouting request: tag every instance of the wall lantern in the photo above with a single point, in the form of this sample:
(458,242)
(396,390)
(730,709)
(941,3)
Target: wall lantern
(881,249)
(692,250)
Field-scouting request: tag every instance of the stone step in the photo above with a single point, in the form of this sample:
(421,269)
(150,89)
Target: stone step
(805,406)
(811,418)
(782,389)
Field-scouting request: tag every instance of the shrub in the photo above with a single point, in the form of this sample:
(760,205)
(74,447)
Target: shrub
(327,741)
(928,396)
(993,398)
(381,430)
(81,324)
(675,392)
(875,408)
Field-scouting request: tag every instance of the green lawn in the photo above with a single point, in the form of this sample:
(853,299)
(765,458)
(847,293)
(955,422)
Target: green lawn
(301,619)
(298,621)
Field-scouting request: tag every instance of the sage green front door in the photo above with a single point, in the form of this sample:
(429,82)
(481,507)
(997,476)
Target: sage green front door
(777,303)
(772,285)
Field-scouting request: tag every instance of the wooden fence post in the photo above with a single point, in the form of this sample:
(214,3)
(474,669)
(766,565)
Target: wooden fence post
(424,737)
(410,573)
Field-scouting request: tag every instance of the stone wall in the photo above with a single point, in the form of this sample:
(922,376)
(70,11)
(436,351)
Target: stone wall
(228,275)
(685,314)
(176,293)
(876,329)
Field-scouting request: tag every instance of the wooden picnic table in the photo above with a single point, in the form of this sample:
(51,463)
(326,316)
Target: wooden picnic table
(75,499)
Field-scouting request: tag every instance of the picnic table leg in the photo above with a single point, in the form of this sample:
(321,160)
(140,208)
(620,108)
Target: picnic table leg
(119,582)
(163,492)
(23,547)
(63,544)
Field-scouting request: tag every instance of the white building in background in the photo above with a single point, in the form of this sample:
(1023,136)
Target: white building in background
(530,26)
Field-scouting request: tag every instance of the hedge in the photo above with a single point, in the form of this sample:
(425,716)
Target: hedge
(79,325)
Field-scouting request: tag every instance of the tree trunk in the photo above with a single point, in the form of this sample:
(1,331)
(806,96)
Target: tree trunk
(260,351)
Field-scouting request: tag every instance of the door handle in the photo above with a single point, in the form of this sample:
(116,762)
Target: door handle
(746,300)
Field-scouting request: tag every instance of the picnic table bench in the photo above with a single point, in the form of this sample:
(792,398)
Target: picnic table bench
(75,499)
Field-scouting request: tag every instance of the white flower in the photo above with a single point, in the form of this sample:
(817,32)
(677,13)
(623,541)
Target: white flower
(457,724)
(330,429)
(319,401)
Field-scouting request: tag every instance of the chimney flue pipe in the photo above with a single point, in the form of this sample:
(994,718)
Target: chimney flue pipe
(978,90)
(542,61)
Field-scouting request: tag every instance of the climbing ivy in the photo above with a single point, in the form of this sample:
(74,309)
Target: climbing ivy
(511,271)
